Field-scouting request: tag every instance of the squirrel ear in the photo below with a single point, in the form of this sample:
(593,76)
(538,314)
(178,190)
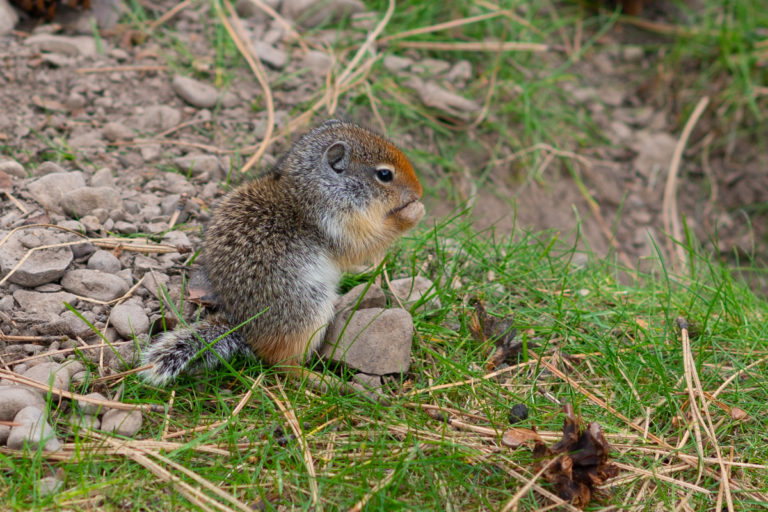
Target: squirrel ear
(337,156)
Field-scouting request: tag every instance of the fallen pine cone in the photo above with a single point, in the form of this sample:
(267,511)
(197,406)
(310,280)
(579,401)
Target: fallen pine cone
(582,462)
(47,8)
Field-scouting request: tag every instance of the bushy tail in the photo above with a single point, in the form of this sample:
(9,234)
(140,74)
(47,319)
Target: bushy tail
(174,352)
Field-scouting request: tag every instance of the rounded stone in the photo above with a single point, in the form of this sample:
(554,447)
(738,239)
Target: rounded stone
(84,200)
(41,267)
(33,430)
(374,341)
(94,284)
(15,398)
(124,423)
(129,319)
(104,261)
(49,374)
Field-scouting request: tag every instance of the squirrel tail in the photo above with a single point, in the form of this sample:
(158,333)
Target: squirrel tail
(188,348)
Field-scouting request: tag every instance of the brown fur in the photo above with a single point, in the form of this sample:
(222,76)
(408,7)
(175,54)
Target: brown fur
(277,246)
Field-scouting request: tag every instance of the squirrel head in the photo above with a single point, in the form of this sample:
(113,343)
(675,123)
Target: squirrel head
(362,190)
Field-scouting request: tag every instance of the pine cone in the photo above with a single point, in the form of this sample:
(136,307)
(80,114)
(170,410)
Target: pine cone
(47,8)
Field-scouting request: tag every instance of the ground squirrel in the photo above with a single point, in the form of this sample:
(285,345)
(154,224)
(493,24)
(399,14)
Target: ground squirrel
(276,247)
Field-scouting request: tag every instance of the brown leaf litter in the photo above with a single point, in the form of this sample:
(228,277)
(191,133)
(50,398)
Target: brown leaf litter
(497,334)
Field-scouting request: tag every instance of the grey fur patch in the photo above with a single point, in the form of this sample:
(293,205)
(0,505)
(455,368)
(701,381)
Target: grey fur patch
(174,352)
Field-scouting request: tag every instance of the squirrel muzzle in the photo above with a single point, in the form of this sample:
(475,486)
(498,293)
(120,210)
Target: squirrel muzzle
(408,214)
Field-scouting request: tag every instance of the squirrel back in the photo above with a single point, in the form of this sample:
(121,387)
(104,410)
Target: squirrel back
(276,247)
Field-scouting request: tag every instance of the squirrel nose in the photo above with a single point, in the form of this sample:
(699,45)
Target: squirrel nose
(411,189)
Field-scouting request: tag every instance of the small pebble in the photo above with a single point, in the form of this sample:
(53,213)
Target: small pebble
(48,485)
(104,261)
(518,413)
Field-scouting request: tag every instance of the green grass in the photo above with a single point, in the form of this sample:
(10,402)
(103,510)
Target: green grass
(611,329)
(615,331)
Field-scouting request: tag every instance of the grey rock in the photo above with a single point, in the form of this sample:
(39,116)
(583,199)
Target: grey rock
(94,284)
(74,101)
(158,118)
(126,227)
(48,288)
(8,18)
(374,298)
(310,13)
(410,290)
(15,398)
(433,95)
(103,13)
(612,95)
(72,365)
(41,267)
(49,374)
(65,45)
(5,430)
(654,151)
(320,63)
(176,183)
(124,358)
(43,303)
(117,131)
(77,227)
(10,166)
(102,214)
(150,152)
(395,63)
(103,178)
(77,420)
(632,53)
(32,431)
(6,303)
(104,261)
(70,324)
(49,189)
(48,485)
(82,201)
(91,224)
(170,203)
(90,408)
(124,423)
(83,250)
(431,66)
(178,239)
(154,282)
(375,341)
(270,55)
(80,377)
(196,93)
(89,140)
(126,275)
(49,168)
(129,319)
(197,164)
(369,381)
(460,73)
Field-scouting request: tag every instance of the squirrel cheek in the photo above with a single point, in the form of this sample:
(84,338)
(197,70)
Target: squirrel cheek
(410,215)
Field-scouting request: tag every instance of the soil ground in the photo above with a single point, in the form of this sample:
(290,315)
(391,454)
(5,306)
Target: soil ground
(56,105)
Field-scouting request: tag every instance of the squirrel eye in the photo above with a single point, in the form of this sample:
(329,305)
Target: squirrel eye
(384,175)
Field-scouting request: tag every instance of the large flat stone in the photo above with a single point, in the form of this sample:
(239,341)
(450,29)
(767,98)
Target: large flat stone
(375,341)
